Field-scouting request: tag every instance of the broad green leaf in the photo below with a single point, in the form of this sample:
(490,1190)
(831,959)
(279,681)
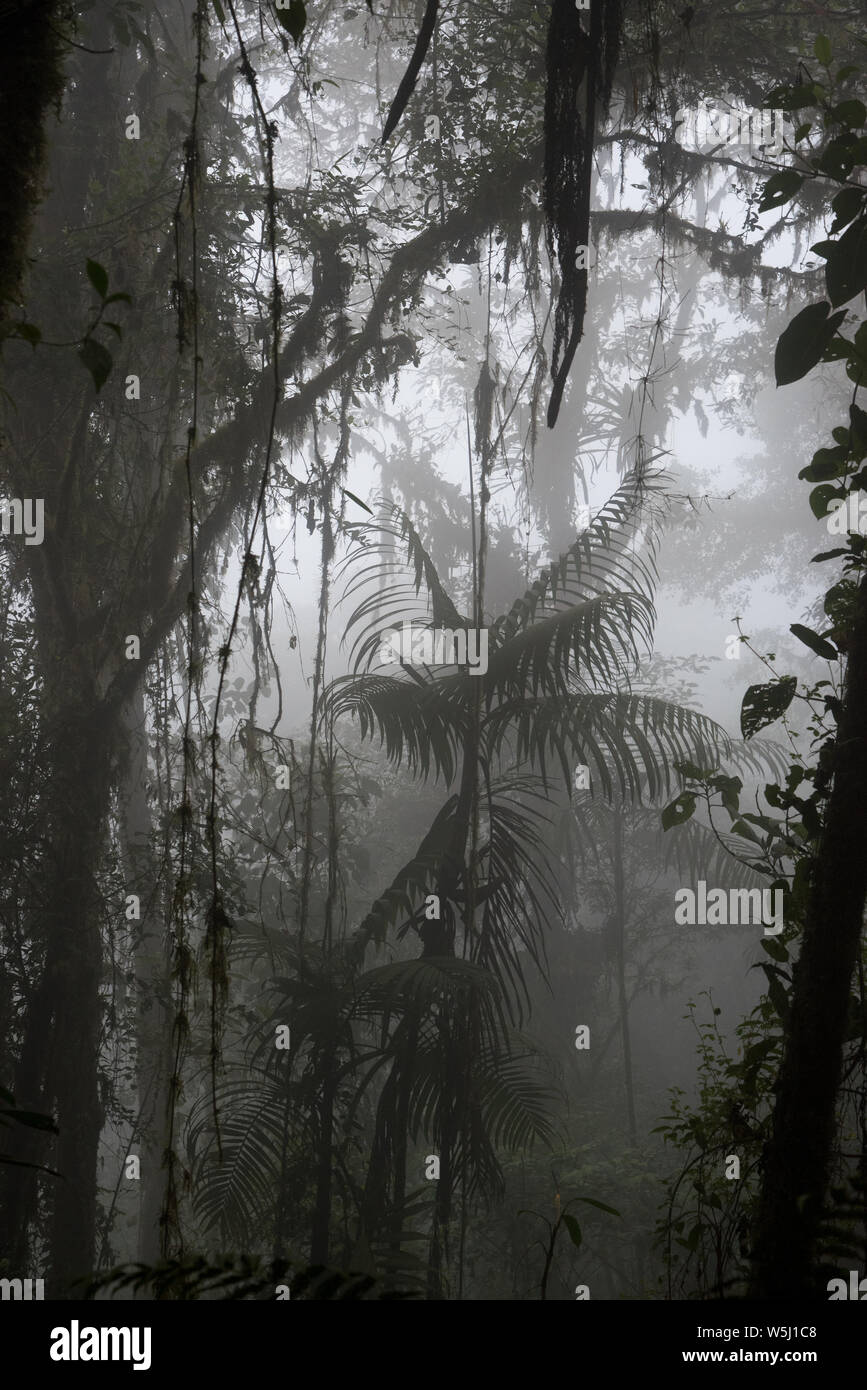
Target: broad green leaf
(740,827)
(820,498)
(795,98)
(762,704)
(573,1228)
(828,555)
(729,789)
(858,430)
(838,158)
(293,17)
(98,277)
(822,49)
(851,113)
(847,204)
(98,361)
(846,271)
(780,188)
(825,464)
(825,248)
(856,367)
(802,343)
(856,371)
(811,639)
(678,811)
(837,349)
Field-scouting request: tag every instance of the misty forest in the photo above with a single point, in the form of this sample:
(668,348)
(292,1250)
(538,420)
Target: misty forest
(433,632)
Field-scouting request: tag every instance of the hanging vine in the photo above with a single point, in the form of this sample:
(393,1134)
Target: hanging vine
(186,303)
(580,68)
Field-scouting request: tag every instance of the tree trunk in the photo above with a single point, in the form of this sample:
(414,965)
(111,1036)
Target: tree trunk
(798,1154)
(153,988)
(622,1001)
(81,790)
(58,1067)
(31,79)
(319,1241)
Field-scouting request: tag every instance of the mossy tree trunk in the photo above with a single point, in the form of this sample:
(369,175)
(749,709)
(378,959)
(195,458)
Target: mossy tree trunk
(798,1155)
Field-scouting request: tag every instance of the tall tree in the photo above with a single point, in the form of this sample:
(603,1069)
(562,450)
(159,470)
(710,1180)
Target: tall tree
(804,1133)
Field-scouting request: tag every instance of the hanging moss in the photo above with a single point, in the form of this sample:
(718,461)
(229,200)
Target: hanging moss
(580,67)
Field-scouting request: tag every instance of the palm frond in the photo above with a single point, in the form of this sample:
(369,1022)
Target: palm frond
(420,728)
(510,1106)
(520,893)
(598,639)
(515,1102)
(239,1277)
(605,559)
(628,741)
(397,547)
(694,848)
(408,983)
(239,1194)
(411,882)
(760,756)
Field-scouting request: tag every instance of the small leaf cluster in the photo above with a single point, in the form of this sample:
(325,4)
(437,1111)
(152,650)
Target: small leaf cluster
(92,353)
(813,335)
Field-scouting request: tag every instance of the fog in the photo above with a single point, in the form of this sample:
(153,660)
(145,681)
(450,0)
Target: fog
(366,971)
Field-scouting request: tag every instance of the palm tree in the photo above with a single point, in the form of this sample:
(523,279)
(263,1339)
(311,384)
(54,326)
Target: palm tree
(484,880)
(431,1048)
